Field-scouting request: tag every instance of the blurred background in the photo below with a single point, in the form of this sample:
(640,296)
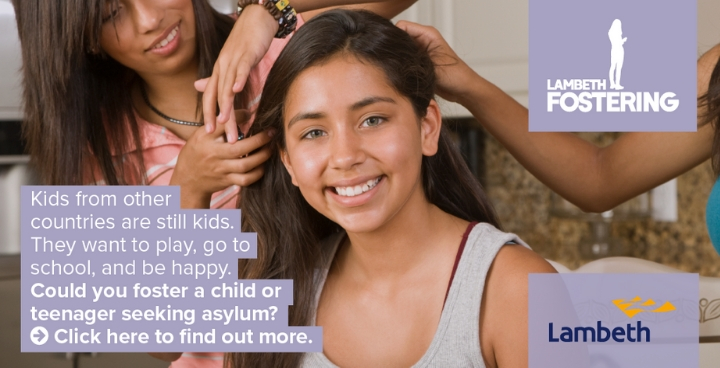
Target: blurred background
(666,226)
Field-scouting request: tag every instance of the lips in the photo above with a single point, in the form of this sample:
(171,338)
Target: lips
(165,38)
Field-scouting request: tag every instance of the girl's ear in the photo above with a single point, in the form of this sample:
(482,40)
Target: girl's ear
(430,127)
(288,166)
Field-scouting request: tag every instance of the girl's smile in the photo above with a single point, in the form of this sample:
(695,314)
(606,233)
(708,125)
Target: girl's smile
(355,192)
(168,42)
(151,37)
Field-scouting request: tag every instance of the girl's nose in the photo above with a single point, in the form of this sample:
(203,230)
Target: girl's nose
(346,149)
(147,15)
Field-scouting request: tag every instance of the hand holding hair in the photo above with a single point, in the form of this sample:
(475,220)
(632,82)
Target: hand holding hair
(246,45)
(208,164)
(453,74)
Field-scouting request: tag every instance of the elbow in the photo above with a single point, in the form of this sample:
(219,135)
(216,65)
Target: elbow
(593,207)
(597,203)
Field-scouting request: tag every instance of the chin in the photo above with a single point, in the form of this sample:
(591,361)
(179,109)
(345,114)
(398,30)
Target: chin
(360,223)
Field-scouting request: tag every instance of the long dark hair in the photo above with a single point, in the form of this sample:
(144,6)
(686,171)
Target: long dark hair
(78,112)
(289,229)
(711,102)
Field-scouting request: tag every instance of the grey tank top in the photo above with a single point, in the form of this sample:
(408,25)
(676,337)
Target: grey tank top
(457,339)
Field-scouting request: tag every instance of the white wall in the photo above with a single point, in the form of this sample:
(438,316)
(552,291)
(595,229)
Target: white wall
(708,24)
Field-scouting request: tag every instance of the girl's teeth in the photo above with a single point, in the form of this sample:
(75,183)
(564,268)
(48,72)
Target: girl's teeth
(167,39)
(358,189)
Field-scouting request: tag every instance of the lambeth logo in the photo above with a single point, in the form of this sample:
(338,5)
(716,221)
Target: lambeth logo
(631,307)
(608,66)
(583,320)
(600,333)
(585,95)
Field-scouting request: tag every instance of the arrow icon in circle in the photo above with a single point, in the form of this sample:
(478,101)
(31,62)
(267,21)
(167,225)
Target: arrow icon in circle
(39,335)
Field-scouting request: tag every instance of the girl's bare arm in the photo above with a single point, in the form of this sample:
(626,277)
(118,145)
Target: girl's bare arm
(593,178)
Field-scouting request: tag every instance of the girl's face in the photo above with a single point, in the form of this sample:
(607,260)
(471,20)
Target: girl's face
(354,145)
(150,36)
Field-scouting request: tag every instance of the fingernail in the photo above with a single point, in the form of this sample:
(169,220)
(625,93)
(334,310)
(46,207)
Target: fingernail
(208,128)
(271,132)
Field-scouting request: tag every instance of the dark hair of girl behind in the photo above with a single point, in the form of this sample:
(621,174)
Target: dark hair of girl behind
(711,102)
(289,229)
(78,110)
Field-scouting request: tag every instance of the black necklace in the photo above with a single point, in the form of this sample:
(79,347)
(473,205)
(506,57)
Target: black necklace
(155,110)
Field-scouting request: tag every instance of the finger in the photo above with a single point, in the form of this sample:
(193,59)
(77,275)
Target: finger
(422,34)
(245,146)
(231,129)
(242,74)
(403,24)
(226,96)
(249,163)
(413,29)
(200,84)
(248,178)
(209,100)
(218,134)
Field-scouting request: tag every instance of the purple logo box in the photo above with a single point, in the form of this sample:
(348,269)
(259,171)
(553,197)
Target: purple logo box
(613,320)
(613,65)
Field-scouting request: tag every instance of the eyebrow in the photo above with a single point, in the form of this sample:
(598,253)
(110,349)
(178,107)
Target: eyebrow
(356,106)
(369,101)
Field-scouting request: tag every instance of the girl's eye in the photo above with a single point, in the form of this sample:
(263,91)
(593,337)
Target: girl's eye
(315,133)
(373,121)
(111,13)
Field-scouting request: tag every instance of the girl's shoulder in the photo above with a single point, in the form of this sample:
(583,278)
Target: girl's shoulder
(505,303)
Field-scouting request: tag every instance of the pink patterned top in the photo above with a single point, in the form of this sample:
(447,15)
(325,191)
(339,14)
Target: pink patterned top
(160,152)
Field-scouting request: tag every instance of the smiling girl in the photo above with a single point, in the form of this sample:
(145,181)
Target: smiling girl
(109,91)
(368,206)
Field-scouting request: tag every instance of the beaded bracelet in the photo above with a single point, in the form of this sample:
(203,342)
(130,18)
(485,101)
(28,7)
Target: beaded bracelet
(281,10)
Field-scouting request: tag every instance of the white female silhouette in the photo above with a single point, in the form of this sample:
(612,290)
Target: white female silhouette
(617,53)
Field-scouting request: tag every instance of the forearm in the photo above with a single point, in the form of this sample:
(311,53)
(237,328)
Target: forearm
(190,198)
(567,164)
(193,201)
(385,8)
(308,5)
(593,178)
